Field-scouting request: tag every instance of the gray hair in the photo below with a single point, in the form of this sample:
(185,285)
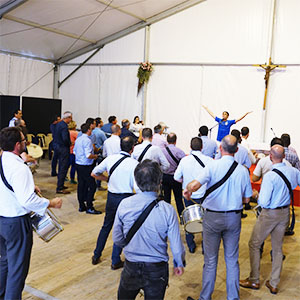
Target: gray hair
(148,175)
(67,114)
(229,144)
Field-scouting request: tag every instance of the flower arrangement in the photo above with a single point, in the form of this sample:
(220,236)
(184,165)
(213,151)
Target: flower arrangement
(143,74)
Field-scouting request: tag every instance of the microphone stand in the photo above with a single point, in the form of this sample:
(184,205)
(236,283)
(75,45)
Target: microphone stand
(210,129)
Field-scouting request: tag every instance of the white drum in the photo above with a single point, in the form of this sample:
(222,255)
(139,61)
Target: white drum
(35,151)
(192,218)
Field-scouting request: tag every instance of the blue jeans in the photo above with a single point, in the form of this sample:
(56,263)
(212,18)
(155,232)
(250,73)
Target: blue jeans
(73,166)
(112,203)
(151,277)
(217,227)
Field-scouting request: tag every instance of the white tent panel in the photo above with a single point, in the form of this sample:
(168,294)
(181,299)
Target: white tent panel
(174,97)
(20,76)
(4,73)
(287,40)
(237,90)
(283,105)
(129,49)
(81,94)
(206,33)
(118,93)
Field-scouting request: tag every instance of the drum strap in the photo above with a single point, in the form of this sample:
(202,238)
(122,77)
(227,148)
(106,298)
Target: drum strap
(140,220)
(116,165)
(143,153)
(172,155)
(199,161)
(219,183)
(288,184)
(3,177)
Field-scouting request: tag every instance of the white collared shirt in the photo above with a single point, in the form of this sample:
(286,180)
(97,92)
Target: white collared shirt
(23,200)
(153,153)
(122,179)
(112,145)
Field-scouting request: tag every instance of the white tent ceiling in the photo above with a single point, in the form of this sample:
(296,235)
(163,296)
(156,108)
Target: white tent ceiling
(59,30)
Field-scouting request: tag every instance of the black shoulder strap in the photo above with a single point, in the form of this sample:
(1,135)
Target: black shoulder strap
(172,155)
(291,228)
(199,161)
(116,165)
(219,183)
(143,153)
(139,222)
(3,177)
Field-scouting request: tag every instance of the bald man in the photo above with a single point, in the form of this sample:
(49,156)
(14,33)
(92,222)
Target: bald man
(222,217)
(112,144)
(274,198)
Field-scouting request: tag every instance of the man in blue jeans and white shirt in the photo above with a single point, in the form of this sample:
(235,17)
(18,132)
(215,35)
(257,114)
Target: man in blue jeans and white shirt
(146,265)
(222,217)
(120,185)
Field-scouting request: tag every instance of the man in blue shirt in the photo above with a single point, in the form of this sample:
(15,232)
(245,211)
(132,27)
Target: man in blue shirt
(112,120)
(98,134)
(84,158)
(222,217)
(209,146)
(274,198)
(62,149)
(224,123)
(126,132)
(146,265)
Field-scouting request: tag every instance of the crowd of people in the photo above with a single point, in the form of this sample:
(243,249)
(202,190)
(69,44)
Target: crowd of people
(142,167)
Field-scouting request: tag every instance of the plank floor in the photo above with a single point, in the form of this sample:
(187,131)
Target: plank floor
(62,268)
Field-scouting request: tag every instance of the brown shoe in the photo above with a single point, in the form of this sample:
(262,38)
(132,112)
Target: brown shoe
(63,192)
(273,290)
(249,284)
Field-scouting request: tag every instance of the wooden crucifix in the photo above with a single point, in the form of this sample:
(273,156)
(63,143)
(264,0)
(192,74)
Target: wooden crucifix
(268,68)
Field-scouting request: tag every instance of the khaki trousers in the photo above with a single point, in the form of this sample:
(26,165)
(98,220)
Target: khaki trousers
(274,222)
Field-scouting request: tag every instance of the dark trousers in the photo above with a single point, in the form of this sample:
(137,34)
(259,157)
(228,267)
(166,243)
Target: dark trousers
(73,166)
(151,277)
(112,203)
(63,165)
(15,250)
(54,164)
(86,187)
(169,184)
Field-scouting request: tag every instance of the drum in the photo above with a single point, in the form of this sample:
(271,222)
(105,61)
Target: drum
(46,226)
(35,151)
(192,218)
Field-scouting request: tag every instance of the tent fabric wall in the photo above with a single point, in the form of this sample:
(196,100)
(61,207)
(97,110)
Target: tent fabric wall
(17,74)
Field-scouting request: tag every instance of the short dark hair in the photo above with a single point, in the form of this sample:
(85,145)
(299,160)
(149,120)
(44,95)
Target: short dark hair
(236,134)
(203,130)
(85,127)
(17,111)
(171,138)
(148,175)
(89,121)
(111,119)
(9,136)
(244,131)
(196,143)
(127,143)
(226,112)
(276,141)
(98,121)
(286,139)
(157,128)
(147,133)
(228,147)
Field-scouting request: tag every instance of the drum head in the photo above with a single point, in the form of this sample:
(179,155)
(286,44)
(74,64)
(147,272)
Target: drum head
(193,227)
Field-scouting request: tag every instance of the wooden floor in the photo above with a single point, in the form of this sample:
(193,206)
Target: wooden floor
(62,268)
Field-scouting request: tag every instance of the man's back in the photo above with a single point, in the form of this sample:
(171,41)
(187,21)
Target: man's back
(111,145)
(209,147)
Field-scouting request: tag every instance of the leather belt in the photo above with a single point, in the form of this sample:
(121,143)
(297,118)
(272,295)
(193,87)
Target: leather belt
(281,207)
(225,212)
(147,264)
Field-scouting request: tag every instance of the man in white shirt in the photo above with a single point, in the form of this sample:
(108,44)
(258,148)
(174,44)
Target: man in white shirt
(112,144)
(244,142)
(148,151)
(18,199)
(17,116)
